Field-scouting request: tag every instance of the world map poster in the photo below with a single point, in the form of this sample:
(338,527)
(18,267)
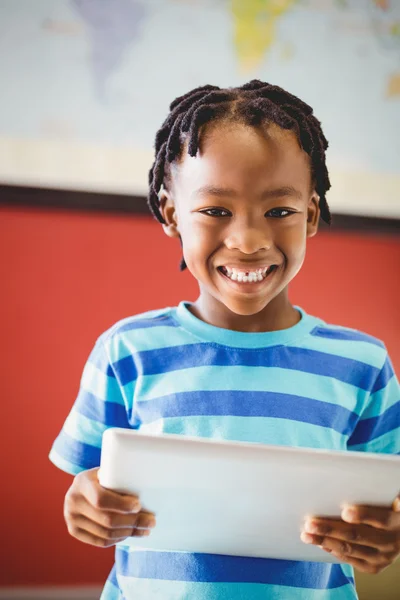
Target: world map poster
(85,84)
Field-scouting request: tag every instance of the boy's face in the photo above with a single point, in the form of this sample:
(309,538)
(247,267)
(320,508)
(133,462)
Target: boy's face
(243,208)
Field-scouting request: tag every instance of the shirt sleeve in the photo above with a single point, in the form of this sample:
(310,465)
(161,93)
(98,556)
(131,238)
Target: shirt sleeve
(100,404)
(378,429)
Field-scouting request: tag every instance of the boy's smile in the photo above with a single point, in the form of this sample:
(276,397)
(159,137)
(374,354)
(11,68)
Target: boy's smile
(243,274)
(243,208)
(247,279)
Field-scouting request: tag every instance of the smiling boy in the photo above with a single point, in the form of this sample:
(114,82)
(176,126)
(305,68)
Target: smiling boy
(244,177)
(240,179)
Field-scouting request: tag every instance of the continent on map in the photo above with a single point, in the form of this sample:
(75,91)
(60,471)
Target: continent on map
(383,4)
(112,27)
(386,26)
(255,23)
(393,86)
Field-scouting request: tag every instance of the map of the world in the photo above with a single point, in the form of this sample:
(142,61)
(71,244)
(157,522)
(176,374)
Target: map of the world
(85,84)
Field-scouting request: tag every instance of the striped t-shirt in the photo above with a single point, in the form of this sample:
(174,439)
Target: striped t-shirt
(312,385)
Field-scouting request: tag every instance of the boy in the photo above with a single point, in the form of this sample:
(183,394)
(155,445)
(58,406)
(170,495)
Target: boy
(240,179)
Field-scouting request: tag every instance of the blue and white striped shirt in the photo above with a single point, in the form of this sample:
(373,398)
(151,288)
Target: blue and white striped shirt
(312,385)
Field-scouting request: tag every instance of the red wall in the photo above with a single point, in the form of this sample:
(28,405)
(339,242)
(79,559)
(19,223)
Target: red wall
(66,277)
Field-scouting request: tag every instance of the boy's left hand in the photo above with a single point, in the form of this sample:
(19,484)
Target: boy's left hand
(366,537)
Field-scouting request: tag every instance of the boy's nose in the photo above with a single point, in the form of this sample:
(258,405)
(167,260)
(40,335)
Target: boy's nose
(248,240)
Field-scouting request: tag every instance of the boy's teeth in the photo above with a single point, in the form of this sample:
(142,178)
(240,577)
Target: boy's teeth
(246,276)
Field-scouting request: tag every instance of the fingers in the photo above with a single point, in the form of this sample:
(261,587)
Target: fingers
(363,565)
(364,558)
(342,548)
(108,527)
(368,548)
(89,538)
(81,523)
(110,535)
(102,517)
(363,535)
(379,517)
(103,499)
(113,520)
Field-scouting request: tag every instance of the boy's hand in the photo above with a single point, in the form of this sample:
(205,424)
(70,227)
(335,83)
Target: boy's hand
(101,517)
(367,537)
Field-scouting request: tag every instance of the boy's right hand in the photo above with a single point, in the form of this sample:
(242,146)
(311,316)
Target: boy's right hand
(100,517)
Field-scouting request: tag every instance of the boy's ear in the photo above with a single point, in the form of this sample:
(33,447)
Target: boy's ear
(313,213)
(168,211)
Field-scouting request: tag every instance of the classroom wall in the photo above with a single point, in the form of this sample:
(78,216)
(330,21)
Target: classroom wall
(65,278)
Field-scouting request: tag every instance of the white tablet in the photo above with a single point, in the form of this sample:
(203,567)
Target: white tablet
(236,498)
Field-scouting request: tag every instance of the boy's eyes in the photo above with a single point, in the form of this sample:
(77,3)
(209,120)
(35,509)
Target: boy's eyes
(216,212)
(279,212)
(276,213)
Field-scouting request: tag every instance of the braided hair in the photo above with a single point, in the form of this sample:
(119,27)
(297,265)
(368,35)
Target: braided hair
(253,103)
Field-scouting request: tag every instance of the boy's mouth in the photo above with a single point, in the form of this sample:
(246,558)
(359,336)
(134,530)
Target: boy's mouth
(249,276)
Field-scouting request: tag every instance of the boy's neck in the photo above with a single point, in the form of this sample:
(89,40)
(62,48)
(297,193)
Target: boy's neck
(277,315)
